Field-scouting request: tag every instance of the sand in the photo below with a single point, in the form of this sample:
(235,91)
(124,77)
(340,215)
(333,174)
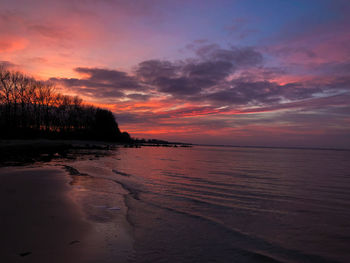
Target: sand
(43,218)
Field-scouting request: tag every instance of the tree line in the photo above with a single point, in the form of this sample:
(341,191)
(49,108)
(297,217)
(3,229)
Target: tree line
(33,109)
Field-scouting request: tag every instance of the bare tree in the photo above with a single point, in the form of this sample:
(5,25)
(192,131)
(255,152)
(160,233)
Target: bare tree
(34,108)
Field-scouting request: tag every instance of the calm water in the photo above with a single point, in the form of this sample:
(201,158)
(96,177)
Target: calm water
(223,204)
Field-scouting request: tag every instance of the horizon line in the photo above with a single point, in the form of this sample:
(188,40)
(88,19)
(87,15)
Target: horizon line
(273,147)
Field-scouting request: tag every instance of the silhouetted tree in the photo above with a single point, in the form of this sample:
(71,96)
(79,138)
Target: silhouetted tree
(30,108)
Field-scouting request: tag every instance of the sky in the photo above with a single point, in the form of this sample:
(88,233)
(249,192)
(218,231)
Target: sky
(239,72)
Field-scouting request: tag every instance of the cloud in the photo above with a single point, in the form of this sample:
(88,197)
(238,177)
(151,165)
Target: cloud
(330,104)
(221,77)
(101,83)
(11,44)
(262,92)
(293,51)
(51,32)
(137,96)
(217,91)
(233,76)
(208,69)
(7,64)
(238,56)
(152,70)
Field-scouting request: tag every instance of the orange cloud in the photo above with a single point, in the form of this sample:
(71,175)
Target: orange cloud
(12,44)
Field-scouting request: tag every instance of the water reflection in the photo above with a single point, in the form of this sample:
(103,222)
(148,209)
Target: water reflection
(234,204)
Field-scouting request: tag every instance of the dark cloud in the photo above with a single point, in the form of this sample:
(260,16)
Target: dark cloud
(102,83)
(6,64)
(338,69)
(209,69)
(288,51)
(239,57)
(192,79)
(243,93)
(262,73)
(328,104)
(178,87)
(152,70)
(261,92)
(137,96)
(109,78)
(232,77)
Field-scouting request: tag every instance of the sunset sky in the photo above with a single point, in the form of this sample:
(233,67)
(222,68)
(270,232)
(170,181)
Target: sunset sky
(241,72)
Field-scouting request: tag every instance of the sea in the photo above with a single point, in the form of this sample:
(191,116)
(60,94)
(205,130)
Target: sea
(233,204)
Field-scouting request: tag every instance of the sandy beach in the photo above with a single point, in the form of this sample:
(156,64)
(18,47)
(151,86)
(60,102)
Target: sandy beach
(49,214)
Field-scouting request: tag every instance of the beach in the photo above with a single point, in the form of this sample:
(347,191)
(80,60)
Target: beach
(184,204)
(45,217)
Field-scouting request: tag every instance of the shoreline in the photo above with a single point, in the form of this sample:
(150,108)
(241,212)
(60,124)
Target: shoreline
(29,151)
(24,152)
(50,214)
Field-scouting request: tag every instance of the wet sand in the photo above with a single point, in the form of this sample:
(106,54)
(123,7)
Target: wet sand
(45,217)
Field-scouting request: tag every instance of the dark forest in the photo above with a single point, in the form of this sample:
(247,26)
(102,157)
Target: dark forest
(31,109)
